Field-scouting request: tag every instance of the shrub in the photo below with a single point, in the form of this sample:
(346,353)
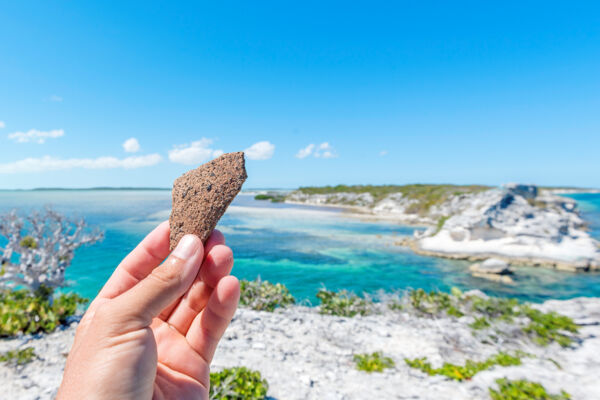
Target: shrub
(18,357)
(237,383)
(467,371)
(275,198)
(434,303)
(374,362)
(343,303)
(549,327)
(39,248)
(523,390)
(24,312)
(264,295)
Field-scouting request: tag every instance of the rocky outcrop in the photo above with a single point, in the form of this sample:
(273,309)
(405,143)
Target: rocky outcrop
(493,269)
(518,223)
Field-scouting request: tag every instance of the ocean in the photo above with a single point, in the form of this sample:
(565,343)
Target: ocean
(306,248)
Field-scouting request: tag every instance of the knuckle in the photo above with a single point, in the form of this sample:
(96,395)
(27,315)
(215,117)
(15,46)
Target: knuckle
(170,273)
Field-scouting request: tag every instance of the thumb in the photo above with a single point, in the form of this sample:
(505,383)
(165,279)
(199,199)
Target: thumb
(165,284)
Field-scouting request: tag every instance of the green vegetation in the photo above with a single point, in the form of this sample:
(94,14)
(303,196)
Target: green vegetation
(549,327)
(28,242)
(24,312)
(425,195)
(374,362)
(343,303)
(467,371)
(491,312)
(434,303)
(275,198)
(18,357)
(264,295)
(523,390)
(441,222)
(237,383)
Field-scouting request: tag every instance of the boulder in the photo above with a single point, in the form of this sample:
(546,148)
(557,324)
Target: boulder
(492,269)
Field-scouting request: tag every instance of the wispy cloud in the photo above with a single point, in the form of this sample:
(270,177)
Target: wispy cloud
(2,124)
(324,150)
(306,151)
(383,153)
(195,153)
(33,135)
(260,151)
(48,163)
(56,99)
(131,145)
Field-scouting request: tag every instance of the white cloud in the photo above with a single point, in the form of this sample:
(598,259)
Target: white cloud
(2,124)
(33,135)
(48,163)
(324,150)
(305,152)
(195,153)
(383,153)
(260,151)
(56,99)
(131,145)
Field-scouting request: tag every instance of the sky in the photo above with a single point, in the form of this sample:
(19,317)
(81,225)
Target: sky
(316,93)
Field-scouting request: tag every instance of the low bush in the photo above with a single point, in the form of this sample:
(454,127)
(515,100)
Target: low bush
(466,371)
(490,312)
(264,296)
(374,362)
(238,383)
(18,357)
(343,303)
(549,327)
(24,312)
(523,390)
(435,303)
(275,198)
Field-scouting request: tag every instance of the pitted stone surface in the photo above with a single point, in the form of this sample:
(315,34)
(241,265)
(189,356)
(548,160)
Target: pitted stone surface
(201,196)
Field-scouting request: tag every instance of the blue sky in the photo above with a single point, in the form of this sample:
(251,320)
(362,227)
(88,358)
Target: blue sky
(390,92)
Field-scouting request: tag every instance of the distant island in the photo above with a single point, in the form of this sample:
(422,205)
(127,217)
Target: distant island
(512,224)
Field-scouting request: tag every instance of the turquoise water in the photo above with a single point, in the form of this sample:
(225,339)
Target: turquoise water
(305,248)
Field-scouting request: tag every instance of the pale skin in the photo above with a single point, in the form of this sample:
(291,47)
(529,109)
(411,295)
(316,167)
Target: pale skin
(153,329)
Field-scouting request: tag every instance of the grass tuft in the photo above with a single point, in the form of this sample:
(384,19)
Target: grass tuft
(18,357)
(238,383)
(263,295)
(523,390)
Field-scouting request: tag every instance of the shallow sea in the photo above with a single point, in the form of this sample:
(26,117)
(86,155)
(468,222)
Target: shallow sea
(305,248)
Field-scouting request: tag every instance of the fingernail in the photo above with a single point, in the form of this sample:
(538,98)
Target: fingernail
(187,247)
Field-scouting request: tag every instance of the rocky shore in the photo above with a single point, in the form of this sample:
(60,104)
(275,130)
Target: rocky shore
(306,355)
(520,224)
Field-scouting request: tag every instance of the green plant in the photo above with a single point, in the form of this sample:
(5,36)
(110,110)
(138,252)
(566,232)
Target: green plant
(263,295)
(480,323)
(24,312)
(238,383)
(523,390)
(343,303)
(441,222)
(374,362)
(18,357)
(549,327)
(468,370)
(275,198)
(435,303)
(28,242)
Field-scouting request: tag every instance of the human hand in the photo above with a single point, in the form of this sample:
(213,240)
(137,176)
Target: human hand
(153,329)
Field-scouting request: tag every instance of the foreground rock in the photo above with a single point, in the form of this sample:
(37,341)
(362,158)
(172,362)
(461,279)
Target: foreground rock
(492,269)
(305,355)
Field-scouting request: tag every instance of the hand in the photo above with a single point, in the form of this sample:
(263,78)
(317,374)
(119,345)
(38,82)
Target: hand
(153,329)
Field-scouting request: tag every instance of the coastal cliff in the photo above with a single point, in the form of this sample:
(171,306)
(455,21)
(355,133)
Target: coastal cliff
(521,224)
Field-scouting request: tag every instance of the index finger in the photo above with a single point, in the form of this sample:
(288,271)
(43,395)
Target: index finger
(139,263)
